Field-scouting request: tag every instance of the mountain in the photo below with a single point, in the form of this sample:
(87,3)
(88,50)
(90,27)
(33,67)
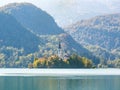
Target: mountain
(12,33)
(39,22)
(33,18)
(102,32)
(28,33)
(67,12)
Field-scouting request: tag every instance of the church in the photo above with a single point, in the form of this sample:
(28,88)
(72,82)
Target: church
(62,54)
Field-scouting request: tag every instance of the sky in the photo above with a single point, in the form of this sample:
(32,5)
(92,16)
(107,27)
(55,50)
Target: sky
(66,12)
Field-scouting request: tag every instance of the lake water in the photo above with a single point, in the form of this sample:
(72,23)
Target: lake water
(60,82)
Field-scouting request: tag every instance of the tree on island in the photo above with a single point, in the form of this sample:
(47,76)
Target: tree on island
(74,61)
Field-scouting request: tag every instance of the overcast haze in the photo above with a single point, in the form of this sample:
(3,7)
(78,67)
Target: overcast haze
(66,12)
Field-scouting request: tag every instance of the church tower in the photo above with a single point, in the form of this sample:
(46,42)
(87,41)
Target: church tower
(60,51)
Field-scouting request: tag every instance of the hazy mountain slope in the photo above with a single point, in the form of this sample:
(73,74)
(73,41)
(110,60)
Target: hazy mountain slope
(102,31)
(33,18)
(67,12)
(15,35)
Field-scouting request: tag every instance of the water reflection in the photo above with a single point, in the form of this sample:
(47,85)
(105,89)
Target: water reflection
(57,83)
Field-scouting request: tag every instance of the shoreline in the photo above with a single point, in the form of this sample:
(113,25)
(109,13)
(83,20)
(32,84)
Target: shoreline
(58,72)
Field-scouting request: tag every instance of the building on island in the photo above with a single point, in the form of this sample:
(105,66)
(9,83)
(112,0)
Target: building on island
(62,54)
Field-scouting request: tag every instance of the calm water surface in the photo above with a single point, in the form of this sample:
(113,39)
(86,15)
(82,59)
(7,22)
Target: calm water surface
(60,83)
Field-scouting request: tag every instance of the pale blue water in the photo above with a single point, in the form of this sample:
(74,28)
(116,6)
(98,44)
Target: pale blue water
(60,83)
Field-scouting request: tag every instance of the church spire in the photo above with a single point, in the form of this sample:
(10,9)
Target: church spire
(59,47)
(62,54)
(60,51)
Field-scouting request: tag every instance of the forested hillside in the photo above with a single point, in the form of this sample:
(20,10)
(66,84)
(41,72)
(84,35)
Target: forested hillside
(100,34)
(12,33)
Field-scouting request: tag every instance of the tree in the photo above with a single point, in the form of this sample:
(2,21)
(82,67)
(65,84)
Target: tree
(74,61)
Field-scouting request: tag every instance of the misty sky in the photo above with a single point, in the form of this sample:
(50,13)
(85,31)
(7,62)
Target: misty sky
(67,11)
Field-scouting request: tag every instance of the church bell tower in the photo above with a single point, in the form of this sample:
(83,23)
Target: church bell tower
(60,51)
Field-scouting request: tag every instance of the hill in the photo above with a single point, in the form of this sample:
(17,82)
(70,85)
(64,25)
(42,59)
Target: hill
(12,33)
(33,18)
(102,32)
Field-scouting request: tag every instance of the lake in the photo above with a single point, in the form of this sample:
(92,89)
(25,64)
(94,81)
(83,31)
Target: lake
(21,81)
